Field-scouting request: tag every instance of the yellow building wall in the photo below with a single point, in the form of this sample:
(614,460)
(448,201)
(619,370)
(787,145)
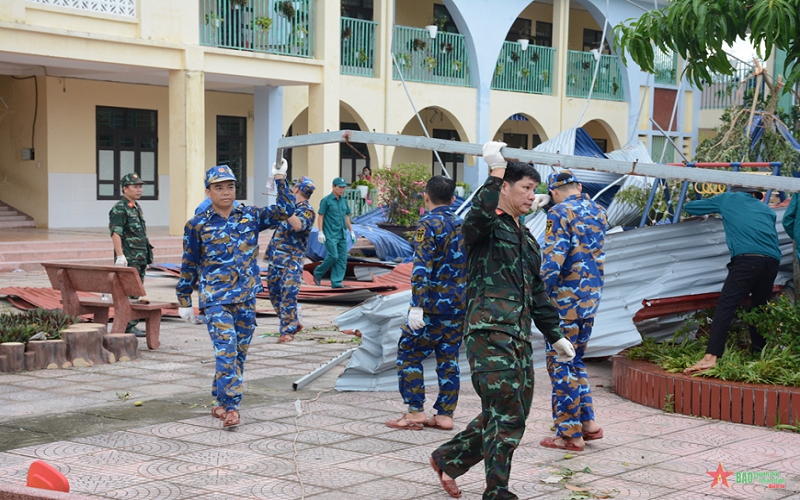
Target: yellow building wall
(578,20)
(23,184)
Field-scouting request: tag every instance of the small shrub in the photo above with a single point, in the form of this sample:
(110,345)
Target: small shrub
(400,191)
(21,327)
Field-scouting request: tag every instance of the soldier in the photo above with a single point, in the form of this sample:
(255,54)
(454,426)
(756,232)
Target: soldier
(285,255)
(504,292)
(220,251)
(334,227)
(129,234)
(572,270)
(436,315)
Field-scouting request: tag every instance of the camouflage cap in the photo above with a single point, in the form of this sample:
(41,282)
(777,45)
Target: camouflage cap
(129,179)
(560,178)
(219,173)
(306,186)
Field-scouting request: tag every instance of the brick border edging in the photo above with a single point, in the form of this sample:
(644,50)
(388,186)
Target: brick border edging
(15,492)
(755,404)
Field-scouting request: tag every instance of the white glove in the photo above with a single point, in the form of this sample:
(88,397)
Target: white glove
(187,314)
(353,236)
(540,200)
(321,238)
(280,170)
(564,350)
(492,156)
(415,318)
(121,261)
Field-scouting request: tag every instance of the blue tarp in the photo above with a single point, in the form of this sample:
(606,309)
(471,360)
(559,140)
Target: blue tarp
(585,146)
(388,246)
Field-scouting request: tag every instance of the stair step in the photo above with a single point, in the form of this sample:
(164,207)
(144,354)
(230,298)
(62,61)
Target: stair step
(16,223)
(12,216)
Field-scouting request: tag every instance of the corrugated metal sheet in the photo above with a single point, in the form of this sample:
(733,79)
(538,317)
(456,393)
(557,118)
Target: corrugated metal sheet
(622,214)
(650,262)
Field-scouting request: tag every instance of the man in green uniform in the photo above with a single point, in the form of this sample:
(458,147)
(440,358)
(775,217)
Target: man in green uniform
(504,293)
(334,230)
(129,234)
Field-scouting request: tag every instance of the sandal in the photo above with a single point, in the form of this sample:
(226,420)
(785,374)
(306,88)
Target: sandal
(286,337)
(591,436)
(433,423)
(404,423)
(218,411)
(551,443)
(449,485)
(231,419)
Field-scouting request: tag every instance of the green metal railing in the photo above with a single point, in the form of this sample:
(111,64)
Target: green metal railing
(358,47)
(666,67)
(283,27)
(580,70)
(524,71)
(728,90)
(441,60)
(355,202)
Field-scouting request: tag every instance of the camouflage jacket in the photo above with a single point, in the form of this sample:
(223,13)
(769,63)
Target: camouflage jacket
(222,254)
(572,268)
(439,277)
(287,246)
(504,288)
(127,220)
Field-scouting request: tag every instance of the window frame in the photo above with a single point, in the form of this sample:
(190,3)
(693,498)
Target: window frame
(239,171)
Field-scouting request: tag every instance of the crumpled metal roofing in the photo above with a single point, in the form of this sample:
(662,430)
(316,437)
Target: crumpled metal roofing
(644,263)
(388,246)
(619,213)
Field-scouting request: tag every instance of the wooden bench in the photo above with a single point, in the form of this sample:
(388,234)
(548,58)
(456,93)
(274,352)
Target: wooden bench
(119,282)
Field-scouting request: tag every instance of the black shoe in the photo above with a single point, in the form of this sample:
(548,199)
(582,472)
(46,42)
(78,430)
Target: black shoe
(316,281)
(138,333)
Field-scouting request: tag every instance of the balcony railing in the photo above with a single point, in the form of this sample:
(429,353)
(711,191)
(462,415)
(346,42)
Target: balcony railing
(358,47)
(118,7)
(728,90)
(441,60)
(524,71)
(275,26)
(666,67)
(580,70)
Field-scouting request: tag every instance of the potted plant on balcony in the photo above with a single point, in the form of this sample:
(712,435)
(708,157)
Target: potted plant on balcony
(462,188)
(238,3)
(213,20)
(524,39)
(431,63)
(262,23)
(286,8)
(436,24)
(364,187)
(347,33)
(419,44)
(524,72)
(400,189)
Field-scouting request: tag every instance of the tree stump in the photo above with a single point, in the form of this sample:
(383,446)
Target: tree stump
(85,345)
(12,357)
(123,346)
(48,354)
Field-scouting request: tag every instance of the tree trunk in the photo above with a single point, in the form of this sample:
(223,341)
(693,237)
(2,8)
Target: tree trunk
(12,357)
(123,346)
(85,345)
(48,354)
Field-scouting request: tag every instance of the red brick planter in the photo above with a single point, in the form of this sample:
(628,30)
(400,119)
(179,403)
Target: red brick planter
(756,404)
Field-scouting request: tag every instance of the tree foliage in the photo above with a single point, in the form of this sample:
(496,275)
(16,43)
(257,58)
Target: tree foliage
(698,30)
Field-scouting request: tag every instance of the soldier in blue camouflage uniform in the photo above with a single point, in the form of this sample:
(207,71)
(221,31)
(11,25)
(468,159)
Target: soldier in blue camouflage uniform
(220,251)
(129,234)
(436,315)
(572,271)
(504,293)
(285,255)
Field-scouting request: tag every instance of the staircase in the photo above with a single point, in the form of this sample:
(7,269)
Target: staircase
(27,255)
(10,217)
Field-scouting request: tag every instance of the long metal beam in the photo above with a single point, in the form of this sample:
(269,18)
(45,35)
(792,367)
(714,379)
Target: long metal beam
(790,184)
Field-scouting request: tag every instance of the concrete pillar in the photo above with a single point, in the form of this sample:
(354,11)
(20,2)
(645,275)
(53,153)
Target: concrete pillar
(187,159)
(561,44)
(268,129)
(323,98)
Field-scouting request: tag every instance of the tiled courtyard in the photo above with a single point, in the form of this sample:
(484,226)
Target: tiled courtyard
(338,448)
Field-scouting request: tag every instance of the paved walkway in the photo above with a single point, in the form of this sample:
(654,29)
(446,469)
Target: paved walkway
(338,448)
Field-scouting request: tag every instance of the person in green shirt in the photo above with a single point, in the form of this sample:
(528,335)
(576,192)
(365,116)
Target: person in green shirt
(755,256)
(790,224)
(334,231)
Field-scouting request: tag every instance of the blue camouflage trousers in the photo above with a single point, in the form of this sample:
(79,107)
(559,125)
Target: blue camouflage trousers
(231,328)
(502,375)
(442,334)
(572,397)
(283,284)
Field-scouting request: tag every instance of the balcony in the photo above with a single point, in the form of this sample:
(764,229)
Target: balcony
(358,47)
(725,91)
(524,71)
(284,27)
(442,60)
(580,70)
(666,67)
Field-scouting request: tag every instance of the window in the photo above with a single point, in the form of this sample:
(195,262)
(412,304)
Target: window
(544,34)
(516,141)
(350,158)
(521,28)
(592,39)
(232,149)
(357,9)
(453,162)
(441,11)
(602,144)
(127,142)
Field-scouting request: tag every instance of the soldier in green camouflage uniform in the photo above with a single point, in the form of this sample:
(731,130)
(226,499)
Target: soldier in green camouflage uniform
(129,234)
(504,293)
